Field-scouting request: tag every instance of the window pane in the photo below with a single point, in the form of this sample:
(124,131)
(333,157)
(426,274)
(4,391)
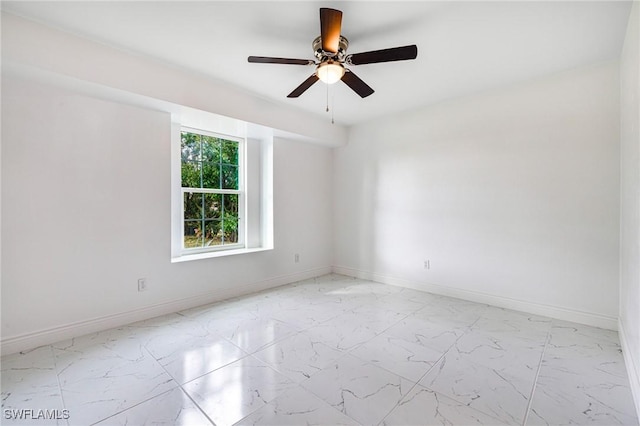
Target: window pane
(231,233)
(211,175)
(230,219)
(229,177)
(192,206)
(213,206)
(191,174)
(190,146)
(193,233)
(230,152)
(211,149)
(231,204)
(213,236)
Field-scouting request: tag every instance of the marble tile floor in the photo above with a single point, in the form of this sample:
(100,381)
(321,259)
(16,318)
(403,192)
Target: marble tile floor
(331,350)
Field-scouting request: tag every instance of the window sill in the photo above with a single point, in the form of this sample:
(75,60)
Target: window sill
(220,253)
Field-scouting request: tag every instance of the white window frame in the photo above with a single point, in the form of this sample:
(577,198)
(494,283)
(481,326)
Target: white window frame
(241,192)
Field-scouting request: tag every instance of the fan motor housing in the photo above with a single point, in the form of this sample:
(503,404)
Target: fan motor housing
(343,44)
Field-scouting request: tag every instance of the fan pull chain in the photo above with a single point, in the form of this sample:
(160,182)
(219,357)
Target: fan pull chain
(333,97)
(327,110)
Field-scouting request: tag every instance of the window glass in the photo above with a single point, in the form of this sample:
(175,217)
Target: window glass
(210,172)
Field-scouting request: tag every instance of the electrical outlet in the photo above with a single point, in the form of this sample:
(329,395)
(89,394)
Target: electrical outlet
(142,284)
(427,264)
(296,258)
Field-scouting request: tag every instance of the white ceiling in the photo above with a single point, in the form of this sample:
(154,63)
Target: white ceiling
(463,47)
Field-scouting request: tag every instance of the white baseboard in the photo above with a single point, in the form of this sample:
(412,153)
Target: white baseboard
(587,318)
(51,335)
(633,369)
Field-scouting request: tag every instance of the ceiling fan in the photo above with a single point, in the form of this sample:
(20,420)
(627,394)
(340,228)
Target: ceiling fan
(330,50)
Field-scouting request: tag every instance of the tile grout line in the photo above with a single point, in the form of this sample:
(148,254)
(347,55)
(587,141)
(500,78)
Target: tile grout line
(349,352)
(535,381)
(55,368)
(196,404)
(146,400)
(181,384)
(443,356)
(417,383)
(447,351)
(127,409)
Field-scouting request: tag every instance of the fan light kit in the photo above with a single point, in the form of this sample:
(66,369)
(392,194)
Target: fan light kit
(330,50)
(330,72)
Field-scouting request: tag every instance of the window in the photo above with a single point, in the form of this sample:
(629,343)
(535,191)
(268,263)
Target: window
(221,186)
(212,175)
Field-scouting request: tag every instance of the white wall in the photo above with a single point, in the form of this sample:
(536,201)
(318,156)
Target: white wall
(512,195)
(86,212)
(630,200)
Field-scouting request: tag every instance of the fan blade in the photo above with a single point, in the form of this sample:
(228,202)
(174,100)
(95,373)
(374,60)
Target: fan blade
(385,55)
(357,85)
(303,87)
(286,61)
(330,23)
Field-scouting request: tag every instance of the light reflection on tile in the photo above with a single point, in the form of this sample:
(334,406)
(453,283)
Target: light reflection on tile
(255,334)
(237,390)
(187,350)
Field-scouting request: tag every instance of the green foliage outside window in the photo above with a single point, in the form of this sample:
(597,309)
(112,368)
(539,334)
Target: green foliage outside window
(210,219)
